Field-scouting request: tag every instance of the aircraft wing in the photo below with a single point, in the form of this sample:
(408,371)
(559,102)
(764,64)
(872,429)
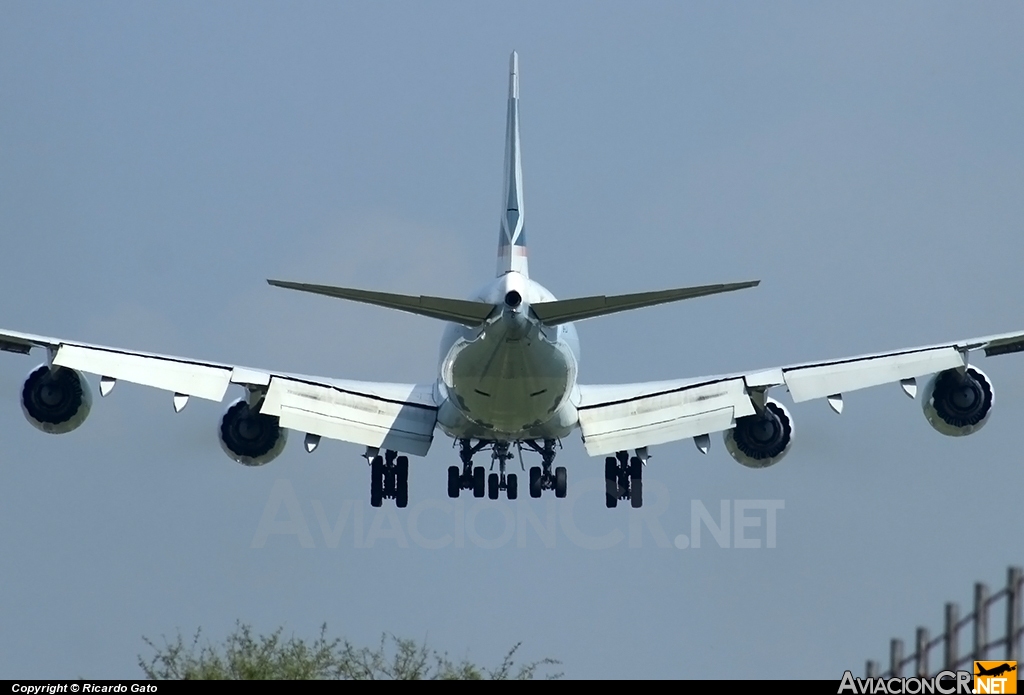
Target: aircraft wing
(383,415)
(627,416)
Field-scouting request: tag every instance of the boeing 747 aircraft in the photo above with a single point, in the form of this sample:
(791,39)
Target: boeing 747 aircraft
(507,382)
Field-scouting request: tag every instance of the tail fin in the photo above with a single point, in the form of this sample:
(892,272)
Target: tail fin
(512,237)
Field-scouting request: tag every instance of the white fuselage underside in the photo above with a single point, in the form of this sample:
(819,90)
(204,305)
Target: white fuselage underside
(512,378)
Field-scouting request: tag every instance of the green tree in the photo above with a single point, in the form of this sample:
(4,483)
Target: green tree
(245,655)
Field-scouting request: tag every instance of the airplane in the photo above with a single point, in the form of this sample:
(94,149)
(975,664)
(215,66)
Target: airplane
(994,671)
(507,381)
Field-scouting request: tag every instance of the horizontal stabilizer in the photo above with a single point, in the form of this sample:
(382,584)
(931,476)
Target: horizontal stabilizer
(566,310)
(457,310)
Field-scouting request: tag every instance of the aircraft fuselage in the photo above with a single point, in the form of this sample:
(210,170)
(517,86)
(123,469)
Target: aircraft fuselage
(511,378)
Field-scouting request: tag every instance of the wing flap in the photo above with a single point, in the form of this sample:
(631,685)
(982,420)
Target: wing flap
(1004,345)
(329,411)
(13,341)
(18,346)
(662,416)
(628,438)
(180,376)
(822,380)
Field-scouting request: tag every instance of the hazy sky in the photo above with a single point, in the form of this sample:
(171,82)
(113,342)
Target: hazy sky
(159,161)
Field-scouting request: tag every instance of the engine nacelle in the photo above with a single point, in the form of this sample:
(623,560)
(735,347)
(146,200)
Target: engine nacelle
(958,404)
(250,437)
(761,439)
(55,400)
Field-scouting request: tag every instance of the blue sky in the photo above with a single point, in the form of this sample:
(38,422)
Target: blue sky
(158,162)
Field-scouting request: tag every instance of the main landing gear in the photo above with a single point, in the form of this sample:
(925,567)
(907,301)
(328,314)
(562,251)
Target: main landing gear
(623,474)
(470,478)
(540,476)
(624,478)
(389,478)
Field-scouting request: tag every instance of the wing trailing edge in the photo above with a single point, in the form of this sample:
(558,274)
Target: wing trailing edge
(568,310)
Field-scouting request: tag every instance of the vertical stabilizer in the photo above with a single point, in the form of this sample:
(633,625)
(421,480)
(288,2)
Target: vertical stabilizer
(512,238)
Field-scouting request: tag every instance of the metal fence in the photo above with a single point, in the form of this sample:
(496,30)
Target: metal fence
(977,622)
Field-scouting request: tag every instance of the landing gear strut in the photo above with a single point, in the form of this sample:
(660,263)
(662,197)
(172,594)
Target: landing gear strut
(476,478)
(493,484)
(624,479)
(540,476)
(468,478)
(496,482)
(389,478)
(623,474)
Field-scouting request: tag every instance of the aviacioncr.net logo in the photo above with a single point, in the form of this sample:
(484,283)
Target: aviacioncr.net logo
(945,683)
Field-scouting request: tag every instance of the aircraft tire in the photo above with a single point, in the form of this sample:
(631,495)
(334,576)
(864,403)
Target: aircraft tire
(636,482)
(454,484)
(513,486)
(611,482)
(402,482)
(636,493)
(561,481)
(376,481)
(478,481)
(492,486)
(535,487)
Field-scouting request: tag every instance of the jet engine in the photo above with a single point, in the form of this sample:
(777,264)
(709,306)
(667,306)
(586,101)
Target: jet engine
(250,437)
(958,404)
(55,400)
(761,439)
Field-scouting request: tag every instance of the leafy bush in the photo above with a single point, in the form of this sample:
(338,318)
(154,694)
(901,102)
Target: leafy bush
(245,655)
